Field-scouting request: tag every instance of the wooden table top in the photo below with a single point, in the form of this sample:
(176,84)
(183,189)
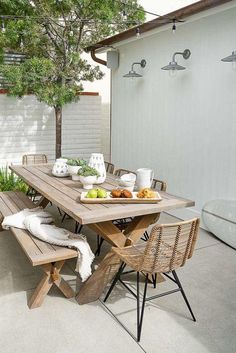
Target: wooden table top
(65,194)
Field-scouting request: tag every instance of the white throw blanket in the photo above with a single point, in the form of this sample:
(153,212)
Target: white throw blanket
(40,224)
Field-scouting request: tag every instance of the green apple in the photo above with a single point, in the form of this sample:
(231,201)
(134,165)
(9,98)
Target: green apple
(92,194)
(101,193)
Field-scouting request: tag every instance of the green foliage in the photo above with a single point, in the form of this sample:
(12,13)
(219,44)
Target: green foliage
(76,162)
(10,182)
(53,37)
(88,171)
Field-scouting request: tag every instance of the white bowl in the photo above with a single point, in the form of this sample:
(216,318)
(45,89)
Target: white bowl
(88,181)
(130,177)
(125,183)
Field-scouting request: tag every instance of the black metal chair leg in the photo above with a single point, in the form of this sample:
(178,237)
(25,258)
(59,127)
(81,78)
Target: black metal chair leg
(183,294)
(63,218)
(154,280)
(140,323)
(117,276)
(78,227)
(34,193)
(145,236)
(138,310)
(99,245)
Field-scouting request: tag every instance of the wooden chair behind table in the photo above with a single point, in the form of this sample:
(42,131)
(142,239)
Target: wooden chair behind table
(168,248)
(31,159)
(109,167)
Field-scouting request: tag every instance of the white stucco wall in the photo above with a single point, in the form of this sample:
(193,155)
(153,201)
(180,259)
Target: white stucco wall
(103,87)
(28,126)
(182,127)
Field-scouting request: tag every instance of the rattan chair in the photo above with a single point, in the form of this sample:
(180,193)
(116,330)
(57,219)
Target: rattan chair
(29,159)
(120,172)
(167,249)
(109,167)
(159,185)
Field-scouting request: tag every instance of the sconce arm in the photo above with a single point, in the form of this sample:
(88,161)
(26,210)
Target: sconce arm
(142,63)
(132,67)
(186,54)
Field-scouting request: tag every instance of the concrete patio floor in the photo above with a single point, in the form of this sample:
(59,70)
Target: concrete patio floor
(63,326)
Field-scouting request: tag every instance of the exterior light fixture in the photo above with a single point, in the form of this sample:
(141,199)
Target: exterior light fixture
(173,66)
(231,59)
(174,26)
(132,73)
(137,31)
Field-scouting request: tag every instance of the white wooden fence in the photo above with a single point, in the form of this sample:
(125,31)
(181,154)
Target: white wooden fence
(28,126)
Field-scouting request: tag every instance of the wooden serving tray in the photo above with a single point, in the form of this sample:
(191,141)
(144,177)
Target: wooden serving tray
(110,199)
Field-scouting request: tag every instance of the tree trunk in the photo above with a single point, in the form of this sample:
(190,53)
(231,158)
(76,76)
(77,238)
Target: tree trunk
(58,115)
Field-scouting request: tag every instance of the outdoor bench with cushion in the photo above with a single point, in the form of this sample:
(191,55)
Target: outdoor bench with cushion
(50,257)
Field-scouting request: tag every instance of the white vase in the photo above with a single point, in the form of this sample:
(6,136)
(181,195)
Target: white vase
(97,161)
(60,168)
(88,181)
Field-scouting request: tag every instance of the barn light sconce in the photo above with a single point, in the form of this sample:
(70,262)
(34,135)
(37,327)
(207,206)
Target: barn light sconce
(132,73)
(173,66)
(231,59)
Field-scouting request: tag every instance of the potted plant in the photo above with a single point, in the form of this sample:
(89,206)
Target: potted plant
(74,165)
(88,176)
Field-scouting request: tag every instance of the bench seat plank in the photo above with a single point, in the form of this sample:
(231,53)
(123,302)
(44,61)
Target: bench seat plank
(37,251)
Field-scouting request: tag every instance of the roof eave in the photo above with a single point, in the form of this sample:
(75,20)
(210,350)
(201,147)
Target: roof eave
(179,14)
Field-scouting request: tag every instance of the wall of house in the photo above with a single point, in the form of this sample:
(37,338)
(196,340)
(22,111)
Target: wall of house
(183,127)
(28,126)
(103,87)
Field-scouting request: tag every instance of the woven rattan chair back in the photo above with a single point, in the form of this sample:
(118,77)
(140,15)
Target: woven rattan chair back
(109,167)
(159,185)
(169,246)
(29,159)
(120,172)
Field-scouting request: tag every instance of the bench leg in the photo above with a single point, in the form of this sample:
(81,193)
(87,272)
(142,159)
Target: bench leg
(1,220)
(51,276)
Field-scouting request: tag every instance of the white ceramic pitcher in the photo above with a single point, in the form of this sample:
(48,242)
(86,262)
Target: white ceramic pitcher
(144,178)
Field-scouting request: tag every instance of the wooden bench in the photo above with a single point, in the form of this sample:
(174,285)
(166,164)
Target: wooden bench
(51,258)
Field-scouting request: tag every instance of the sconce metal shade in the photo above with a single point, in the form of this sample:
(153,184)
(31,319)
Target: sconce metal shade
(230,58)
(132,73)
(173,66)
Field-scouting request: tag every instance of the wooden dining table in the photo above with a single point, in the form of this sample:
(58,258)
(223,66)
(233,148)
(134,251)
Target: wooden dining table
(65,194)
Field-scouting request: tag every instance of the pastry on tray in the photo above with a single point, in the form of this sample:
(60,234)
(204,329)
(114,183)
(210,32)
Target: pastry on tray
(121,193)
(127,194)
(146,193)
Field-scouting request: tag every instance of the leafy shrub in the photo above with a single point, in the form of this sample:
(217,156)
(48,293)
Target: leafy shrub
(76,162)
(88,171)
(10,182)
